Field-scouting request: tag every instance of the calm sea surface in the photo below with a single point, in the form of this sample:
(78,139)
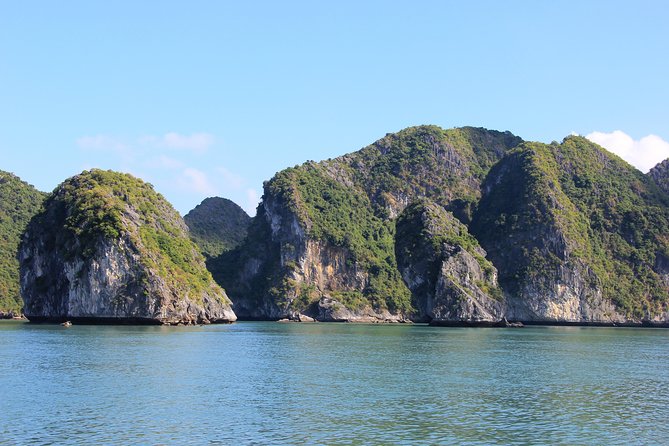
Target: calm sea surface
(260,383)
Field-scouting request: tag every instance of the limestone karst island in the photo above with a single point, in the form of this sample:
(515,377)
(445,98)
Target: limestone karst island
(464,226)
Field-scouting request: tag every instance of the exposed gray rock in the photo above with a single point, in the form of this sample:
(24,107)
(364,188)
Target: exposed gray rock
(448,283)
(108,249)
(331,310)
(660,175)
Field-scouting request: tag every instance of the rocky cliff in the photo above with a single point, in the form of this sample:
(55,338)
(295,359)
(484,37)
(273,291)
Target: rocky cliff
(660,175)
(217,225)
(576,234)
(324,236)
(19,201)
(450,279)
(108,248)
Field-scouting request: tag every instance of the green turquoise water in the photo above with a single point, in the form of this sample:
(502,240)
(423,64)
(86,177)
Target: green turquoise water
(272,383)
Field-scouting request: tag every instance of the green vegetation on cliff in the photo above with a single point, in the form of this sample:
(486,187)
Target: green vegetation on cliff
(446,166)
(232,269)
(104,205)
(426,229)
(343,217)
(660,175)
(19,201)
(628,224)
(348,205)
(217,225)
(445,268)
(549,206)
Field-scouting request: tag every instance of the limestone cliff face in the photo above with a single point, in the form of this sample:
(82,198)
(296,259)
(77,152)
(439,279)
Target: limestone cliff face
(281,272)
(109,249)
(446,270)
(576,235)
(660,175)
(567,225)
(569,294)
(323,241)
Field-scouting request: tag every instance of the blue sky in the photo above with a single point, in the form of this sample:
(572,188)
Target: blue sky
(212,98)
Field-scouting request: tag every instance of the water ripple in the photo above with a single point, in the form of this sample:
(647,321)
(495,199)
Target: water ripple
(260,383)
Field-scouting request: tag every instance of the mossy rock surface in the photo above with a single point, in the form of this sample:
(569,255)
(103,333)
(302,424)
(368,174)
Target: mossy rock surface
(19,201)
(108,247)
(325,230)
(575,233)
(217,225)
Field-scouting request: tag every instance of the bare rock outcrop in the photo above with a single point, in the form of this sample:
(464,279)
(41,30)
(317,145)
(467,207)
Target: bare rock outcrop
(108,249)
(451,280)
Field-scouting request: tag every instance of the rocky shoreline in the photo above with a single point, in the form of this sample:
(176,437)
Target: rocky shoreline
(11,315)
(359,321)
(118,321)
(503,323)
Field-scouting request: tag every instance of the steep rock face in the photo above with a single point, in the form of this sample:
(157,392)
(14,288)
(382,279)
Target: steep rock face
(280,272)
(445,268)
(660,175)
(217,225)
(329,226)
(576,234)
(252,271)
(108,248)
(19,201)
(446,166)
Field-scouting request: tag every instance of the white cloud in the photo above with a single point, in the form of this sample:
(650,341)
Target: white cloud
(252,200)
(642,154)
(196,181)
(195,142)
(231,179)
(164,162)
(103,142)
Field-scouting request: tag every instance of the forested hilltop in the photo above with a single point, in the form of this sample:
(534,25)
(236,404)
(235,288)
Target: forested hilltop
(557,233)
(217,225)
(19,201)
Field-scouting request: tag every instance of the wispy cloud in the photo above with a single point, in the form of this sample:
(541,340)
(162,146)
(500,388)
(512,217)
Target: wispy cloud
(164,162)
(230,179)
(643,154)
(198,142)
(252,200)
(172,162)
(102,142)
(197,181)
(195,142)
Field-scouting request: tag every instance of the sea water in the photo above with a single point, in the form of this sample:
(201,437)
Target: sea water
(299,383)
